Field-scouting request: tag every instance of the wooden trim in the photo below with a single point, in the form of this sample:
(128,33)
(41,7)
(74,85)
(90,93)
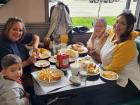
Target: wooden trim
(46,11)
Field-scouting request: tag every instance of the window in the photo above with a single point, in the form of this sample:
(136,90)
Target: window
(84,11)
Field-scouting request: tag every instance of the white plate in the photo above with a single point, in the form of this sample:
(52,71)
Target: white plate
(85,60)
(80,52)
(43,55)
(49,74)
(52,59)
(115,75)
(92,69)
(92,74)
(72,60)
(42,63)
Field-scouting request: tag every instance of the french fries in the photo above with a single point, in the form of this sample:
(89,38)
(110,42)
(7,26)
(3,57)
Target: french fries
(49,75)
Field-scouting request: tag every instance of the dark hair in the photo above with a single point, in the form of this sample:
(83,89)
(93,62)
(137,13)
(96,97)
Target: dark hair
(9,24)
(130,21)
(9,60)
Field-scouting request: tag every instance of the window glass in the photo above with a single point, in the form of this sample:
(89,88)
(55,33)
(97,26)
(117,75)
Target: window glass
(83,12)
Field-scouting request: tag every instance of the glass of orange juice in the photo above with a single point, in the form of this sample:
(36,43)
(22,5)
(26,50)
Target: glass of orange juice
(64,38)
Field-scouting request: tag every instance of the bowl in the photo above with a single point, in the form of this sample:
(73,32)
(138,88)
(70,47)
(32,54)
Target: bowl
(93,72)
(75,80)
(109,76)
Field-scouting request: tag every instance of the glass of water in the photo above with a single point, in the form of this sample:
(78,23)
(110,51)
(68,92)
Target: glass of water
(56,47)
(83,77)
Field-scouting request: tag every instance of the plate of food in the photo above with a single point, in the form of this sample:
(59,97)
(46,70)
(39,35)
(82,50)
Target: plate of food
(109,76)
(42,63)
(92,69)
(49,75)
(43,53)
(85,60)
(93,72)
(72,60)
(78,47)
(52,59)
(72,53)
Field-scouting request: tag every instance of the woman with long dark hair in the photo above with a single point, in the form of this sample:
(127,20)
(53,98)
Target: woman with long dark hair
(118,54)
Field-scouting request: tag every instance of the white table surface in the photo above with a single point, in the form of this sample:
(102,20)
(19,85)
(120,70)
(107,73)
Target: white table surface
(45,87)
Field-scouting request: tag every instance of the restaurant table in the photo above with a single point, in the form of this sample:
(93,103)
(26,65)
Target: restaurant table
(64,85)
(94,90)
(63,88)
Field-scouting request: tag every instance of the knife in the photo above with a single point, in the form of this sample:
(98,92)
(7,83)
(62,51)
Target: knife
(58,88)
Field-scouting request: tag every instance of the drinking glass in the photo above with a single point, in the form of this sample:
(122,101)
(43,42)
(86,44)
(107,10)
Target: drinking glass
(63,47)
(64,38)
(56,47)
(83,77)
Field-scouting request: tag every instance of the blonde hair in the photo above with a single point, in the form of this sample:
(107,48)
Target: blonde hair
(100,19)
(9,24)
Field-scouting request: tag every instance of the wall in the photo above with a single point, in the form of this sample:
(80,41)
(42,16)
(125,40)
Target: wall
(33,12)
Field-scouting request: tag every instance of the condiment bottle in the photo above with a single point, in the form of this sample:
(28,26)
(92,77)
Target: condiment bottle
(62,60)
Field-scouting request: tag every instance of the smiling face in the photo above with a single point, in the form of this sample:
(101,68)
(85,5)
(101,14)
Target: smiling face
(16,31)
(120,26)
(13,72)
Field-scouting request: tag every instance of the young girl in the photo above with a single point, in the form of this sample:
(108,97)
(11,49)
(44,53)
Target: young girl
(11,89)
